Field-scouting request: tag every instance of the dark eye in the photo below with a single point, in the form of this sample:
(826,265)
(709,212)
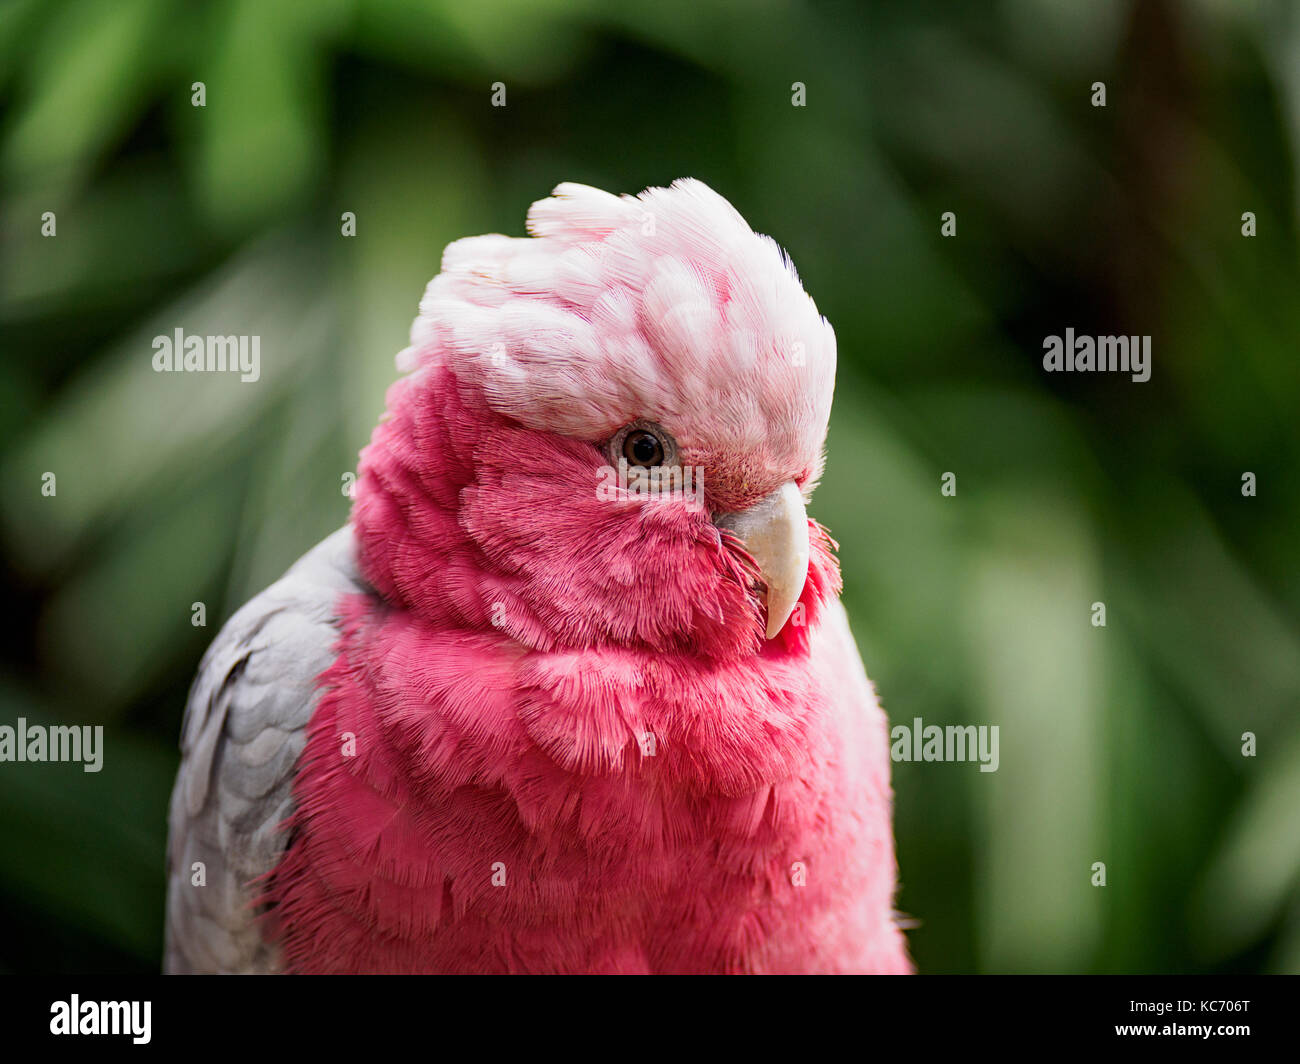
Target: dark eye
(643,448)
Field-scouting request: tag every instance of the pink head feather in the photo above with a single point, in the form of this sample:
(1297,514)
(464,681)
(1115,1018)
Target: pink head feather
(665,306)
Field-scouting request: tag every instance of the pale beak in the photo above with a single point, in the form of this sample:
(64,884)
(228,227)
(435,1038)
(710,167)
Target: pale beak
(775,533)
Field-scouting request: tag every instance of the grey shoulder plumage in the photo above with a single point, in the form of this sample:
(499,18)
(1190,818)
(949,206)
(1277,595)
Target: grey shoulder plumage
(245,726)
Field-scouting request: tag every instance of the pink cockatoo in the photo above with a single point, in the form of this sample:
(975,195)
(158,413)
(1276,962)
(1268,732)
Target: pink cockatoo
(573,691)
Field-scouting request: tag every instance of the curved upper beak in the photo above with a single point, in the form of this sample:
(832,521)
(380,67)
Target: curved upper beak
(775,532)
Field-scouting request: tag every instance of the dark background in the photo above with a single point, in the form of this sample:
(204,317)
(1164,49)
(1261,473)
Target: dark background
(1119,744)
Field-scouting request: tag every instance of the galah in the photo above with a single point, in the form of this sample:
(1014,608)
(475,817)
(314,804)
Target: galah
(573,690)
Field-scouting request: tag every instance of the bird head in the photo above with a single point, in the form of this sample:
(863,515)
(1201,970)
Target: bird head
(609,433)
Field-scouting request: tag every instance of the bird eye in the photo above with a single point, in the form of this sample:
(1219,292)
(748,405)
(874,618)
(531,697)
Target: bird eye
(643,448)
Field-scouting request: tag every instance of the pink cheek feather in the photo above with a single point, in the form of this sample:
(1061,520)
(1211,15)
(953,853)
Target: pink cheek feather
(468,518)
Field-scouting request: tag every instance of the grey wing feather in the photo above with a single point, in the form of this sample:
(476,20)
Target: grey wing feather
(245,726)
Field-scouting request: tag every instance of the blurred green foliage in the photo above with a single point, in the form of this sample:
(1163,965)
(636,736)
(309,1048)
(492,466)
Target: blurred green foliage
(1119,744)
